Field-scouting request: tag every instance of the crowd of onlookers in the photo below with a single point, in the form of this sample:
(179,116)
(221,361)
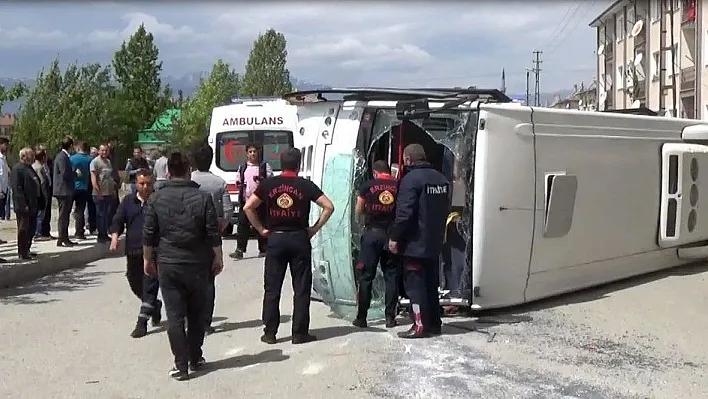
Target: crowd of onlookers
(80,178)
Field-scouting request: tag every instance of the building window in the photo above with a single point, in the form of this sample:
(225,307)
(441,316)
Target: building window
(670,60)
(655,66)
(621,29)
(705,48)
(620,77)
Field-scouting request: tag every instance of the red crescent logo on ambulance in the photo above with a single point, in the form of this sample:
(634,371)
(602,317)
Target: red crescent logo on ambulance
(229,151)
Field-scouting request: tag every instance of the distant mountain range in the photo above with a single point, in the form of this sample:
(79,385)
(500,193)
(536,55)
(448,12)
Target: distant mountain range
(189,83)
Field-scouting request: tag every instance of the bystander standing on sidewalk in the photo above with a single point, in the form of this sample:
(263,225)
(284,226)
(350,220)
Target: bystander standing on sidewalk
(40,167)
(46,220)
(80,162)
(4,182)
(28,199)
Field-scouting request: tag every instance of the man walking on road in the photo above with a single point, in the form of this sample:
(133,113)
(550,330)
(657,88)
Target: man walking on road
(287,199)
(130,218)
(248,178)
(63,190)
(28,200)
(215,186)
(181,222)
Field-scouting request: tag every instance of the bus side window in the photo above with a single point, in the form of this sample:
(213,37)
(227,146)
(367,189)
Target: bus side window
(303,151)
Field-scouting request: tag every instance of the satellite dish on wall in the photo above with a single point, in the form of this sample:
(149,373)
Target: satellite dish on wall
(638,59)
(601,49)
(637,28)
(636,104)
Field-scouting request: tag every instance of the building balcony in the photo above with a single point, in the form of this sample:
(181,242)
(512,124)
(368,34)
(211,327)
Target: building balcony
(688,79)
(688,14)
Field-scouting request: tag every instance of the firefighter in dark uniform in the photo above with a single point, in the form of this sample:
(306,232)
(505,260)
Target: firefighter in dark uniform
(376,201)
(287,199)
(417,234)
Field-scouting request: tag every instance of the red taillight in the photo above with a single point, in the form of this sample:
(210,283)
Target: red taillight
(232,188)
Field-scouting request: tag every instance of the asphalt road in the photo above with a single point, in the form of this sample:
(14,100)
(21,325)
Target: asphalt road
(66,336)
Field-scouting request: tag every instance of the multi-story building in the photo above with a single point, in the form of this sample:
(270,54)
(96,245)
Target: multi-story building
(7,125)
(582,98)
(653,54)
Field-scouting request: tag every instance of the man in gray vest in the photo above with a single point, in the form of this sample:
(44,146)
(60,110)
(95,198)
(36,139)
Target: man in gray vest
(202,155)
(159,169)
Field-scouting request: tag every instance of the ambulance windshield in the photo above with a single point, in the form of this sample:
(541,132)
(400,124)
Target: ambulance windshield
(231,147)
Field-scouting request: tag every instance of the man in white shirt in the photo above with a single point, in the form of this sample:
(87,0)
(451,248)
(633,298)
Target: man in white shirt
(248,177)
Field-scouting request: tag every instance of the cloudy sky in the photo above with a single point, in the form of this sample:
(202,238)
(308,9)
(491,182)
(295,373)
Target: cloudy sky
(397,43)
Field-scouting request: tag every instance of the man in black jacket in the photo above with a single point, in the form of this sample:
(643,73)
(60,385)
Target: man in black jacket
(417,234)
(63,189)
(27,199)
(46,227)
(181,221)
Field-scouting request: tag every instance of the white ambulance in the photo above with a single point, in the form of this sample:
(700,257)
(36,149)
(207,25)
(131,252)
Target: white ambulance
(268,123)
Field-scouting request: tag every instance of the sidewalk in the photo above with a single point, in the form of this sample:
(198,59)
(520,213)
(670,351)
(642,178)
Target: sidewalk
(51,259)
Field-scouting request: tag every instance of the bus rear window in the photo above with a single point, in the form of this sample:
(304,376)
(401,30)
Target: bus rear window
(231,147)
(274,143)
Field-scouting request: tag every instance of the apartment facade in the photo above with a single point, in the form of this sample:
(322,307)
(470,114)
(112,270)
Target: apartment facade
(654,54)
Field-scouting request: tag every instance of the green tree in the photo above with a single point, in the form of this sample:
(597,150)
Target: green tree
(140,97)
(77,103)
(11,94)
(37,122)
(266,70)
(218,88)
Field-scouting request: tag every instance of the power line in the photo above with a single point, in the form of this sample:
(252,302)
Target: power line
(551,36)
(577,22)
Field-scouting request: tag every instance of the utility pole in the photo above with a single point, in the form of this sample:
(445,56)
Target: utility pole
(528,76)
(537,72)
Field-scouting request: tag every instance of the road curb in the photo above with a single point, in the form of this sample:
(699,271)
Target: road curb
(17,273)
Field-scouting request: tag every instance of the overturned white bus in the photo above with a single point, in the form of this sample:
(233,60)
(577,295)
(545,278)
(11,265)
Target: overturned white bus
(549,201)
